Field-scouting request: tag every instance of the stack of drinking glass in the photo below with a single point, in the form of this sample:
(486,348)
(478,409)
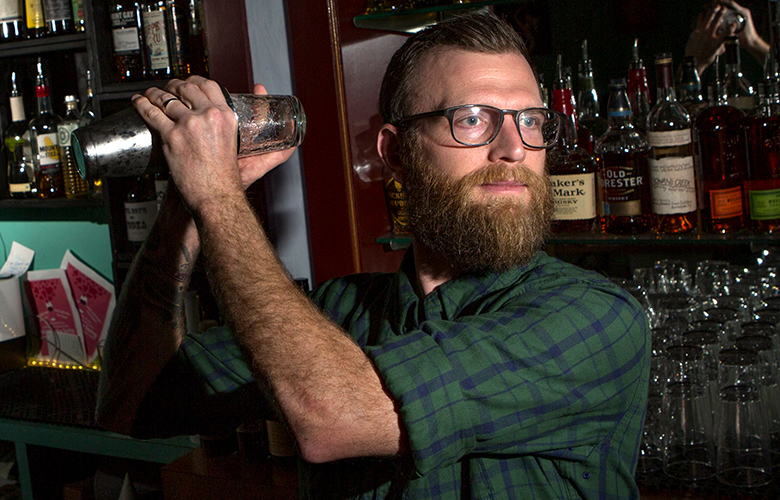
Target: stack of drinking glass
(714,401)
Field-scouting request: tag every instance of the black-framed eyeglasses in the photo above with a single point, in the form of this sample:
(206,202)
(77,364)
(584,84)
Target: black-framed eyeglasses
(478,125)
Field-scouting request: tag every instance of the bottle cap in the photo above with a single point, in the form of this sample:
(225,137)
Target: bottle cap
(70,98)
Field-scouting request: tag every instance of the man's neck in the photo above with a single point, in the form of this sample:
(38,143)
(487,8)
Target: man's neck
(433,269)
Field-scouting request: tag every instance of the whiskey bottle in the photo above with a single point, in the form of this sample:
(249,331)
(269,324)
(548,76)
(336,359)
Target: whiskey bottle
(43,137)
(12,20)
(690,95)
(59,16)
(79,19)
(722,152)
(87,112)
(36,22)
(75,185)
(621,157)
(739,90)
(127,33)
(178,39)
(158,56)
(198,56)
(20,183)
(672,172)
(140,210)
(572,170)
(17,144)
(762,179)
(395,200)
(638,90)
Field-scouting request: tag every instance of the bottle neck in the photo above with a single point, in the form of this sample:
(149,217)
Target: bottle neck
(44,99)
(665,89)
(17,109)
(619,112)
(563,103)
(732,58)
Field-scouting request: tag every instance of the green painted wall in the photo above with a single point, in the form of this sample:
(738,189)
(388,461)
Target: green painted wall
(87,240)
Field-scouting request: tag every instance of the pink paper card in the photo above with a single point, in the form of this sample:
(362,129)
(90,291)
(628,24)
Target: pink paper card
(95,301)
(57,317)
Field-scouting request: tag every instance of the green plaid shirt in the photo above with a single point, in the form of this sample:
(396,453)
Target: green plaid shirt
(527,384)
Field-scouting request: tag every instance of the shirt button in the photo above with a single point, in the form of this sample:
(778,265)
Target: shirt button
(586,475)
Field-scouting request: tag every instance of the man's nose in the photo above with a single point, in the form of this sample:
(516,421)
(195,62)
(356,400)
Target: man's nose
(508,145)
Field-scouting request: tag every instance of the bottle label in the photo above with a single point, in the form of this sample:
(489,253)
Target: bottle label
(396,205)
(673,185)
(765,204)
(745,103)
(574,196)
(669,138)
(160,186)
(126,40)
(622,190)
(156,42)
(57,10)
(64,131)
(17,108)
(10,11)
(139,218)
(48,153)
(34,9)
(19,188)
(726,203)
(78,11)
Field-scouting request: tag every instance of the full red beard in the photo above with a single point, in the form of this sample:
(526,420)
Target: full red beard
(475,236)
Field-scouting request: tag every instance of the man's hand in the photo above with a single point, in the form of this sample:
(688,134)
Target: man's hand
(255,167)
(198,132)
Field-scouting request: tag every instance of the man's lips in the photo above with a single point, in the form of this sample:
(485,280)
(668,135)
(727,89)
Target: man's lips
(504,186)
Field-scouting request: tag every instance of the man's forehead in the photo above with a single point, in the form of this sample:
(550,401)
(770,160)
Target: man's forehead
(448,76)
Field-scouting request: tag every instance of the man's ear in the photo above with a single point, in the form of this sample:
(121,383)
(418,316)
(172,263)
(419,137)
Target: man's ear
(388,145)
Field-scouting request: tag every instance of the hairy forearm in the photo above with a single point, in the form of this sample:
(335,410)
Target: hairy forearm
(320,380)
(148,325)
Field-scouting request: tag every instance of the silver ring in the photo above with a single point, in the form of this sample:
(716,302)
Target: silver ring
(168,101)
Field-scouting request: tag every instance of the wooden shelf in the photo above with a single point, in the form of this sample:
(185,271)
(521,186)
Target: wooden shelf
(58,209)
(40,46)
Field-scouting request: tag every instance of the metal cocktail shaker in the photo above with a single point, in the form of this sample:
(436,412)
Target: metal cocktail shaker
(122,145)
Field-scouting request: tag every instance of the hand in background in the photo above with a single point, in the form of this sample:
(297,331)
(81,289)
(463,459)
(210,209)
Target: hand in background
(749,38)
(704,42)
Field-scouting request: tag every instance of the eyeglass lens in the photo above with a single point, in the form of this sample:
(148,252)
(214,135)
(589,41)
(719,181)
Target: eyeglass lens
(478,125)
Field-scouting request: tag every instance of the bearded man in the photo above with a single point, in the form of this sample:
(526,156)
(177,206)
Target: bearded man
(483,368)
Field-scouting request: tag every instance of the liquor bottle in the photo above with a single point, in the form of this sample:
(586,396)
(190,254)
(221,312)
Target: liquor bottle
(591,124)
(79,19)
(158,56)
(621,156)
(198,56)
(140,210)
(17,143)
(544,91)
(722,152)
(127,33)
(20,184)
(43,137)
(75,185)
(395,202)
(12,20)
(572,170)
(638,90)
(690,95)
(672,172)
(36,22)
(762,179)
(59,16)
(160,185)
(740,91)
(178,37)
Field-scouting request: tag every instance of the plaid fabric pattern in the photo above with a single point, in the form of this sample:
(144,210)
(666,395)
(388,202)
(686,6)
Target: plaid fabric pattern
(528,384)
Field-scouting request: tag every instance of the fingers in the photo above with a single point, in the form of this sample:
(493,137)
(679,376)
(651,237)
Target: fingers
(152,113)
(259,89)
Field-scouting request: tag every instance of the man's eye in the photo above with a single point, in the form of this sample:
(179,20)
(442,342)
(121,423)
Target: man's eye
(531,121)
(471,121)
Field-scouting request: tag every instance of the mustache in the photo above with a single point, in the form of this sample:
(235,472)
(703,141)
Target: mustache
(502,172)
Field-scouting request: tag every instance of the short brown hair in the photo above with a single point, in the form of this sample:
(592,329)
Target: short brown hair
(479,31)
